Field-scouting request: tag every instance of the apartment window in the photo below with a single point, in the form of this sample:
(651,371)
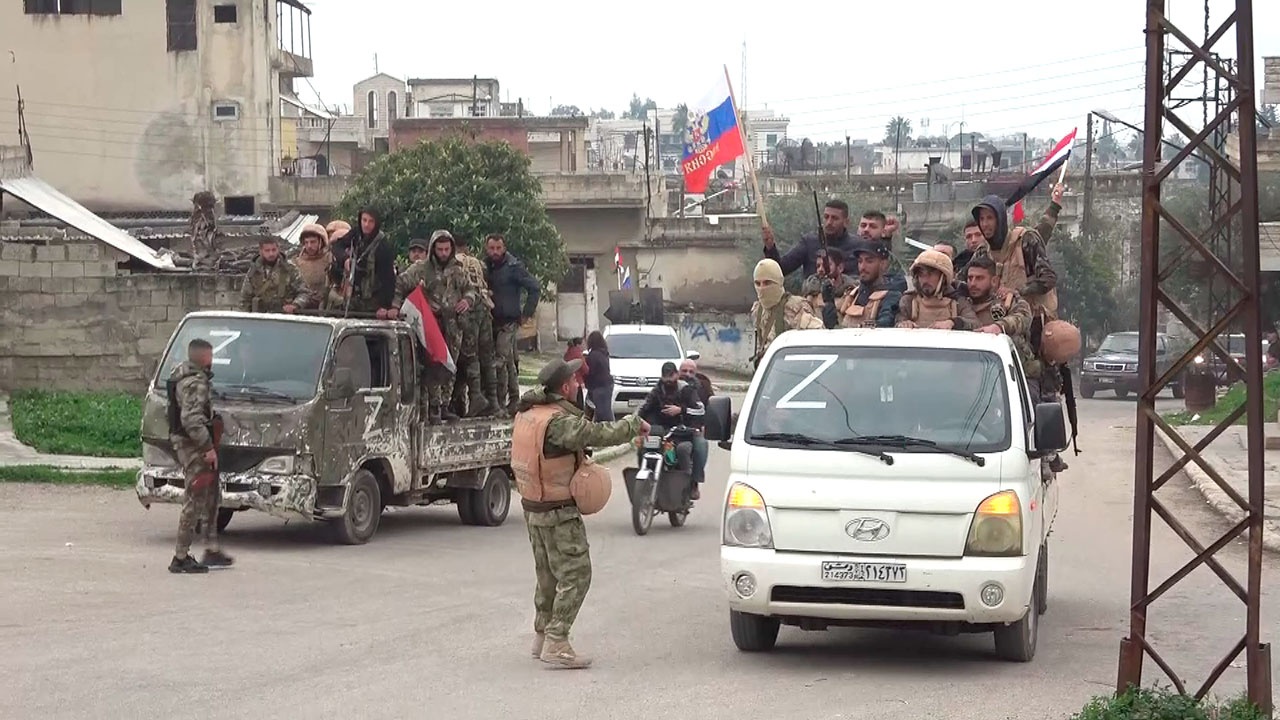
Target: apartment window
(226,111)
(71,7)
(238,205)
(224,14)
(180,15)
(371,111)
(391,106)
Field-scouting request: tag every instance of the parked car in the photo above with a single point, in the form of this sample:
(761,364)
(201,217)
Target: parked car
(1235,345)
(1114,366)
(636,355)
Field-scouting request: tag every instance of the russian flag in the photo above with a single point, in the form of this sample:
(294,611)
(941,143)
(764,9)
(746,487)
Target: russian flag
(711,137)
(1054,160)
(417,312)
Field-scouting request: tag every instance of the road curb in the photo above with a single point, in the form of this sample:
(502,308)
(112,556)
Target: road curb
(1219,500)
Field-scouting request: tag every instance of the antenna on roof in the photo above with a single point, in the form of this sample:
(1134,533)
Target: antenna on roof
(375,63)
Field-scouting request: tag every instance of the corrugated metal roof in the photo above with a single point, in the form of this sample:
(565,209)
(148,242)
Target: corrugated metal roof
(294,101)
(292,232)
(34,191)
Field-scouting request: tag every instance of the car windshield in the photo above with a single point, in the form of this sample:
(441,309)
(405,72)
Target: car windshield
(255,359)
(957,399)
(643,346)
(1126,343)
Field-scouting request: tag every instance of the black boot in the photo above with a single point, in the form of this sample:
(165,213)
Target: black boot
(433,415)
(187,565)
(217,558)
(477,406)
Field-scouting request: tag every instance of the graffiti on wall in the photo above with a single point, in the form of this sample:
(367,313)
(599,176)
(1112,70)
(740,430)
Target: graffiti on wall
(705,331)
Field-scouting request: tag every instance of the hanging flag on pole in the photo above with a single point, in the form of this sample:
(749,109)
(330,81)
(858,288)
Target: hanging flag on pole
(622,271)
(1057,158)
(417,312)
(712,136)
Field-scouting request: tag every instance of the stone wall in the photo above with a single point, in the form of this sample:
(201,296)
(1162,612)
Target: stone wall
(72,318)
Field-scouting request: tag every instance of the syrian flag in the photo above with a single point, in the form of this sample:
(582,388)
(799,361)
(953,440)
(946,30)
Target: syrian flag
(1051,163)
(623,272)
(417,312)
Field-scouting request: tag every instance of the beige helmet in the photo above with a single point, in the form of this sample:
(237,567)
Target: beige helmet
(590,488)
(337,230)
(937,261)
(317,230)
(1059,341)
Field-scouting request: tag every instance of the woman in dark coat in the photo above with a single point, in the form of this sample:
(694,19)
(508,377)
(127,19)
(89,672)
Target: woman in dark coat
(599,377)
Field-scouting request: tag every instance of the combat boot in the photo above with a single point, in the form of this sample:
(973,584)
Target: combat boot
(187,565)
(217,558)
(477,406)
(560,655)
(539,640)
(433,414)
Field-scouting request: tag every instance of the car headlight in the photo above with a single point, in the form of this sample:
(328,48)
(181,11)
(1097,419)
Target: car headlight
(746,522)
(286,465)
(1199,360)
(1131,367)
(997,527)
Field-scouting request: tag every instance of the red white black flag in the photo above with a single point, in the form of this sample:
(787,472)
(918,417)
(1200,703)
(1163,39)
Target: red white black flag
(1051,163)
(417,312)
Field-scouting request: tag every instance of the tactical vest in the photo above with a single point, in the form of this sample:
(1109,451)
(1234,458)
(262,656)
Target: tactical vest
(538,477)
(174,411)
(315,273)
(862,316)
(1011,267)
(990,311)
(370,269)
(926,311)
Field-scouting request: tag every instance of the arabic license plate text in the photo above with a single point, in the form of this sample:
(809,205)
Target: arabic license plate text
(864,572)
(635,403)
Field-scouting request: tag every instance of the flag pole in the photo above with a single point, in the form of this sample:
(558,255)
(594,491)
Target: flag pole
(746,152)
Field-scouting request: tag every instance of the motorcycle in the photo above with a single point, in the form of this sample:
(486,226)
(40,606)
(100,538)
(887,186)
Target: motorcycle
(658,485)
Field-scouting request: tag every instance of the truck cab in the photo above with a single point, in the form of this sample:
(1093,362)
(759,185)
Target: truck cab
(322,423)
(890,477)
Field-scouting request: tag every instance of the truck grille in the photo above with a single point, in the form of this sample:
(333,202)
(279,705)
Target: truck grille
(876,597)
(635,381)
(1109,367)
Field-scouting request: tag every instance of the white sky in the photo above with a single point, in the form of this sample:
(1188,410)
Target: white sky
(1001,66)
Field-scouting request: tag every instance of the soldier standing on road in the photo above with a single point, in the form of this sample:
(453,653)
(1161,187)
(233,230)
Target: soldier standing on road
(205,245)
(450,295)
(477,343)
(272,284)
(775,310)
(191,432)
(507,277)
(313,265)
(548,440)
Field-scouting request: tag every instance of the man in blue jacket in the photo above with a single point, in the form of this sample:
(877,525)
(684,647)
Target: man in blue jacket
(507,278)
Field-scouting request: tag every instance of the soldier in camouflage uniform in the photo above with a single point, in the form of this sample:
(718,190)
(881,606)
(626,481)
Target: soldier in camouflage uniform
(191,421)
(548,439)
(272,283)
(450,295)
(205,245)
(475,366)
(1002,311)
(776,311)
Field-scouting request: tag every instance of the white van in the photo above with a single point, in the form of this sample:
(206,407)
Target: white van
(890,477)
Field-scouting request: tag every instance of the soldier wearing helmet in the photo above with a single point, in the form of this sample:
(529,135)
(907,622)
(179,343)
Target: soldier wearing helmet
(934,301)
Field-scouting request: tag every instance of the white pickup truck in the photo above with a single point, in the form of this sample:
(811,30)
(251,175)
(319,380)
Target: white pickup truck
(890,478)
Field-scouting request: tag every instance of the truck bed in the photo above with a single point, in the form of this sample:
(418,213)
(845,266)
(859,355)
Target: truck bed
(464,445)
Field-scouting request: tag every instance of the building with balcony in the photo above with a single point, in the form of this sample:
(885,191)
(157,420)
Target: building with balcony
(139,105)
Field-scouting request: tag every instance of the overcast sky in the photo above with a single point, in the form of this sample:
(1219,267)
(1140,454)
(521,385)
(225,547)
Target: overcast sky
(1001,66)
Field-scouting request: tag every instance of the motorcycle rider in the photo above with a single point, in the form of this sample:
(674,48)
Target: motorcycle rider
(670,403)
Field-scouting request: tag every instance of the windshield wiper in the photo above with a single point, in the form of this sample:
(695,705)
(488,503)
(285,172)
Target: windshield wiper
(265,392)
(905,441)
(800,439)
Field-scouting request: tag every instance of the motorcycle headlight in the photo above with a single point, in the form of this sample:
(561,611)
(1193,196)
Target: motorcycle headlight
(652,442)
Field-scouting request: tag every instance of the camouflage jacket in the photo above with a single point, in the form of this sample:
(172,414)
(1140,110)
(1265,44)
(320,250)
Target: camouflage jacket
(268,288)
(571,431)
(192,393)
(792,313)
(475,273)
(443,286)
(1012,313)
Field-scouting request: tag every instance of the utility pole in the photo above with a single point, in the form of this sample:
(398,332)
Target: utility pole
(848,160)
(1085,214)
(1024,150)
(897,151)
(973,159)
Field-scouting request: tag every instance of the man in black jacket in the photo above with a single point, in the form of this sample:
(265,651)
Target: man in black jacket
(835,226)
(673,402)
(371,284)
(507,277)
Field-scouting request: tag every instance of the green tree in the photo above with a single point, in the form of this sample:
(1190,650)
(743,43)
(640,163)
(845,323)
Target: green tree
(638,108)
(566,111)
(895,126)
(603,114)
(468,188)
(681,120)
(1088,281)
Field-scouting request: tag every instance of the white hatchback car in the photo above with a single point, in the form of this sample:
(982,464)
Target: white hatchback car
(636,355)
(890,478)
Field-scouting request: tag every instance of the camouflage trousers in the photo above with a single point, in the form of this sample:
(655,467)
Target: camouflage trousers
(437,381)
(474,379)
(506,369)
(562,564)
(199,506)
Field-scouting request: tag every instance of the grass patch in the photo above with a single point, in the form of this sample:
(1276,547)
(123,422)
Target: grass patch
(60,476)
(1163,704)
(1233,399)
(101,424)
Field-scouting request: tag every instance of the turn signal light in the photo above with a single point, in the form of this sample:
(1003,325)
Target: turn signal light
(996,530)
(746,521)
(744,496)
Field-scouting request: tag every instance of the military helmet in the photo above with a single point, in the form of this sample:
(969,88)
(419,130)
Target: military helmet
(937,261)
(1059,341)
(591,488)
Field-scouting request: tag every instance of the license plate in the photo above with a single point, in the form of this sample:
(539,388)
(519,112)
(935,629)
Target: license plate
(635,403)
(864,572)
(1105,381)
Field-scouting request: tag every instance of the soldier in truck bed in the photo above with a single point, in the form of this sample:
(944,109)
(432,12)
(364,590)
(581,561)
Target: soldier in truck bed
(272,284)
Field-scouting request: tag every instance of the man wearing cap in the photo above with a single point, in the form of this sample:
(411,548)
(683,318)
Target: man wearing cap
(418,249)
(674,402)
(935,302)
(775,310)
(873,301)
(272,284)
(450,294)
(312,263)
(549,438)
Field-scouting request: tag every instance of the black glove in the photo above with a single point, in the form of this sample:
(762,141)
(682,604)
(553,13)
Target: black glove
(828,292)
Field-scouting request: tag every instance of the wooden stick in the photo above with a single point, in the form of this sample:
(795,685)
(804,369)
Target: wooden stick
(1063,173)
(746,151)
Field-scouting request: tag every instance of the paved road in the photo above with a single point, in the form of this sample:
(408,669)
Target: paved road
(432,619)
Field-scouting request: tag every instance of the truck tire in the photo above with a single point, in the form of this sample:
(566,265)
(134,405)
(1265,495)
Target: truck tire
(224,518)
(1086,391)
(1016,642)
(490,505)
(364,510)
(753,633)
(1178,391)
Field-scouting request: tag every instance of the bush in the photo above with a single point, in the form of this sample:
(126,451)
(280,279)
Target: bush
(1164,704)
(1231,400)
(60,476)
(102,424)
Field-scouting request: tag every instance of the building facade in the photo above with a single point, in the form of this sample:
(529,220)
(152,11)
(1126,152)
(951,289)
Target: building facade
(139,105)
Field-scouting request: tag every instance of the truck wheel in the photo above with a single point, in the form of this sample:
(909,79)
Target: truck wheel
(753,633)
(1017,642)
(1122,393)
(1178,391)
(488,506)
(1086,392)
(224,518)
(364,510)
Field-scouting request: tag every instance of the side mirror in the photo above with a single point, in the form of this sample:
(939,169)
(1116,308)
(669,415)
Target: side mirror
(718,423)
(693,355)
(342,386)
(1050,432)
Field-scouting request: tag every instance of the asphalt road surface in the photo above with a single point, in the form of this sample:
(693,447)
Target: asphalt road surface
(433,619)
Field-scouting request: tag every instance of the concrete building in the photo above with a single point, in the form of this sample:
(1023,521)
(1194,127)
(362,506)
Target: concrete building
(764,130)
(139,105)
(454,98)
